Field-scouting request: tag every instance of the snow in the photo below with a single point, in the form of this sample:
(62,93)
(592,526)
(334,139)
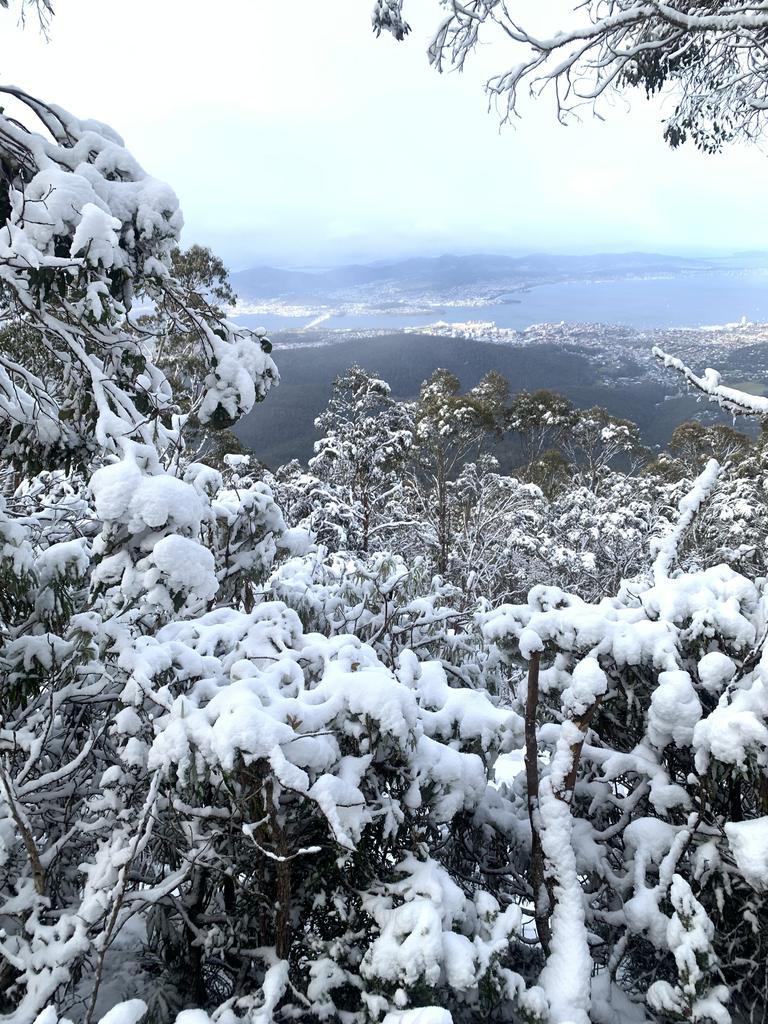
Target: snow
(241,376)
(715,670)
(735,728)
(748,841)
(113,487)
(127,723)
(70,556)
(530,643)
(508,766)
(129,1012)
(588,682)
(185,567)
(420,1015)
(273,988)
(709,384)
(164,501)
(124,494)
(650,840)
(566,975)
(665,548)
(420,940)
(96,235)
(689,937)
(675,709)
(342,801)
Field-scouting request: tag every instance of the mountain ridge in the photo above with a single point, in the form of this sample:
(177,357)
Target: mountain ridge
(440,273)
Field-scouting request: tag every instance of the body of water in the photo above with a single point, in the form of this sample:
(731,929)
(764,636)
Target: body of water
(683,301)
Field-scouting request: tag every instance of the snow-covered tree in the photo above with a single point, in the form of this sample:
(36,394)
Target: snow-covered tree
(319,506)
(495,520)
(204,282)
(107,536)
(647,706)
(693,443)
(449,428)
(201,803)
(539,421)
(365,439)
(597,442)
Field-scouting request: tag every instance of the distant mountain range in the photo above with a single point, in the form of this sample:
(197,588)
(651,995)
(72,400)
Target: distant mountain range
(450,274)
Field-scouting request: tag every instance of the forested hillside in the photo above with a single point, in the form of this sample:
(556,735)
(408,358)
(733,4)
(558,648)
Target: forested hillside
(390,737)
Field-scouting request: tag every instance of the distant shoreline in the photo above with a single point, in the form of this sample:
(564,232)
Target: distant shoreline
(650,302)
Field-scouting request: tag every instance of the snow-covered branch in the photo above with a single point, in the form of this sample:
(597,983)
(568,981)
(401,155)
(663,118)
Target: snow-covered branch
(713,55)
(740,403)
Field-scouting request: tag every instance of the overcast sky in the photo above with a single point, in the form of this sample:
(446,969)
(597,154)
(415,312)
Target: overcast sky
(292,135)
